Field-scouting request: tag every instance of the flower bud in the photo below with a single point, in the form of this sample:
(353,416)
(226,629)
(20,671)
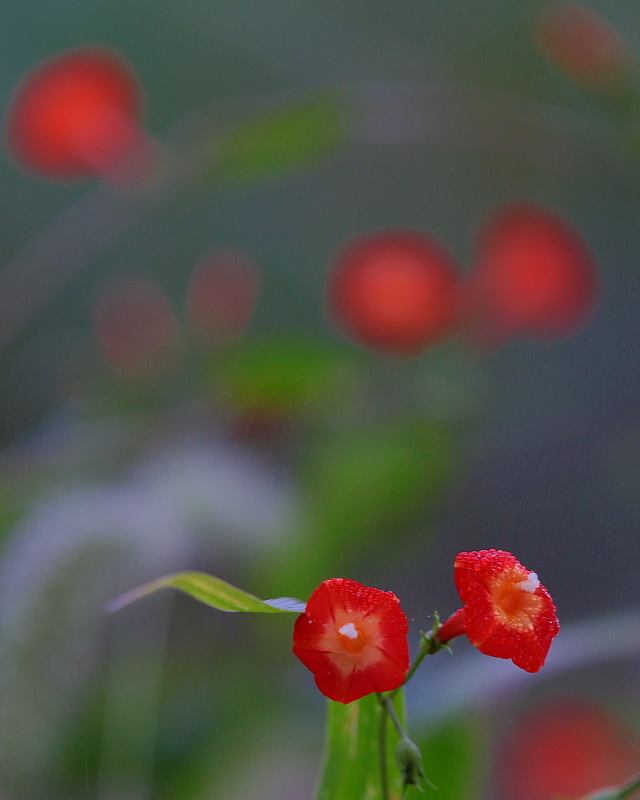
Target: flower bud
(585,45)
(409,760)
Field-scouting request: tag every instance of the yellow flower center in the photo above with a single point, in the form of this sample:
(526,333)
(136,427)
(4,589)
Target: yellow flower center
(352,642)
(514,598)
(352,639)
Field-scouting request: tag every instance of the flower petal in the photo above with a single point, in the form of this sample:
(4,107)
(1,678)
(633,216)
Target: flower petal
(507,613)
(354,640)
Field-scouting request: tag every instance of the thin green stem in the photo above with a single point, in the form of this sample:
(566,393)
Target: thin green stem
(408,755)
(391,710)
(429,645)
(382,748)
(419,659)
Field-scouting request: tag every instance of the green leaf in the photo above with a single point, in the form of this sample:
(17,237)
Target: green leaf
(281,376)
(351,765)
(364,481)
(209,590)
(279,140)
(452,758)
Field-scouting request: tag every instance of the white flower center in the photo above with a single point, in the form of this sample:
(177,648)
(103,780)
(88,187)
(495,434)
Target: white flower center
(530,584)
(349,629)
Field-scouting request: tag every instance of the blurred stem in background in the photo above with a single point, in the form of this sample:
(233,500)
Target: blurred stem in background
(135,665)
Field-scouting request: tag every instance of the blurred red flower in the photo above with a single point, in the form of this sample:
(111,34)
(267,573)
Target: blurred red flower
(535,276)
(354,640)
(222,296)
(507,612)
(398,292)
(568,749)
(137,330)
(78,114)
(585,45)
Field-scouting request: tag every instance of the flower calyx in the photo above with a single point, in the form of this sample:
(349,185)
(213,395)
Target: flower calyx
(409,759)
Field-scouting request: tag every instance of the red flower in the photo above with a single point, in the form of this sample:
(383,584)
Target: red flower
(137,330)
(222,295)
(535,276)
(354,640)
(397,292)
(508,613)
(584,45)
(77,115)
(567,748)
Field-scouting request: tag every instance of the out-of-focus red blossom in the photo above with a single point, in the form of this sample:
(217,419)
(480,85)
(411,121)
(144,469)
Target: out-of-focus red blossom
(137,330)
(568,749)
(78,115)
(507,611)
(535,276)
(398,292)
(354,640)
(222,296)
(584,45)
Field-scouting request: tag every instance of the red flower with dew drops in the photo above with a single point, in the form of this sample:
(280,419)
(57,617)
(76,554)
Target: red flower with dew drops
(507,612)
(354,640)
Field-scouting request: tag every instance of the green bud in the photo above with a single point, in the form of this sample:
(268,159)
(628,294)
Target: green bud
(409,760)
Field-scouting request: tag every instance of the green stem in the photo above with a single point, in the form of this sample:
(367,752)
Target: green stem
(429,645)
(382,748)
(391,710)
(419,659)
(408,753)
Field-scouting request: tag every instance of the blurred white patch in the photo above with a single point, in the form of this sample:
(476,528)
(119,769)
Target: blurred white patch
(221,488)
(84,541)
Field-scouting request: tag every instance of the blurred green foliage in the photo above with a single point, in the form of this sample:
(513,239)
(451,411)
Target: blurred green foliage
(292,137)
(363,481)
(454,756)
(280,378)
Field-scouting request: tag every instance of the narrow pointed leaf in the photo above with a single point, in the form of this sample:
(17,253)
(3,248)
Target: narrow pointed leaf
(209,590)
